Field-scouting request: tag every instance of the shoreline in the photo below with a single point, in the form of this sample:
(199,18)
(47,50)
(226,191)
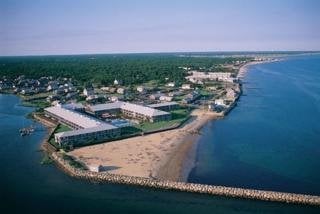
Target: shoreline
(245,67)
(250,194)
(106,177)
(179,165)
(190,155)
(168,155)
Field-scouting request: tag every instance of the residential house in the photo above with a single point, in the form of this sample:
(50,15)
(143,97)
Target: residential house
(121,90)
(186,86)
(141,89)
(171,84)
(88,91)
(165,98)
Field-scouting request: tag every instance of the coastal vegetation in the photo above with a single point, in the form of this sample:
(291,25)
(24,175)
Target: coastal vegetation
(46,159)
(73,163)
(104,69)
(178,117)
(59,128)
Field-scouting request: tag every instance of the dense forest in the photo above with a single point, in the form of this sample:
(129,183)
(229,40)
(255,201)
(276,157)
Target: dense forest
(103,69)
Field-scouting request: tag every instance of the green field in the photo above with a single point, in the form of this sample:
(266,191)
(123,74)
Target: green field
(36,103)
(60,128)
(178,117)
(74,163)
(36,96)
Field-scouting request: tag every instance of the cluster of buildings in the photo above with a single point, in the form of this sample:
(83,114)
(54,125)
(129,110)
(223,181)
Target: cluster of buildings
(25,86)
(87,124)
(85,128)
(225,103)
(59,89)
(192,96)
(199,77)
(142,113)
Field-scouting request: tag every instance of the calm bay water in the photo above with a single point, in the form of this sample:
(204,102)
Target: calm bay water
(271,140)
(28,186)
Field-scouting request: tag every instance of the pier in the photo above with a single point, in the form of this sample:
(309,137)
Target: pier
(105,177)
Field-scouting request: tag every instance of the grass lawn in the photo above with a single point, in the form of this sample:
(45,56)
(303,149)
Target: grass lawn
(73,162)
(62,128)
(37,96)
(178,117)
(205,93)
(36,103)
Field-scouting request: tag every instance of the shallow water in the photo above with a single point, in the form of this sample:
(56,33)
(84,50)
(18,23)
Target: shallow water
(271,140)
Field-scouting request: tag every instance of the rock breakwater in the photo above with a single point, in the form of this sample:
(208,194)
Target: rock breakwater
(105,177)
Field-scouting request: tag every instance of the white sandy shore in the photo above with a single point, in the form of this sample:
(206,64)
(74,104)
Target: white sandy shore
(244,68)
(160,155)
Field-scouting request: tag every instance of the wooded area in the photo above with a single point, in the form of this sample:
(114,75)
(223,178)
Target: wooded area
(103,69)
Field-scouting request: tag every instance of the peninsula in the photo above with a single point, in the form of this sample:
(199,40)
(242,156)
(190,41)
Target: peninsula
(138,128)
(131,126)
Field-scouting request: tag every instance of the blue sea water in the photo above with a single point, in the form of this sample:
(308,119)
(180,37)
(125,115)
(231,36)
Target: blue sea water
(244,149)
(271,140)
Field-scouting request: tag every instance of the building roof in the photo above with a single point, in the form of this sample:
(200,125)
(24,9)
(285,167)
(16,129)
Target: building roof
(106,106)
(162,104)
(79,119)
(144,110)
(102,127)
(73,106)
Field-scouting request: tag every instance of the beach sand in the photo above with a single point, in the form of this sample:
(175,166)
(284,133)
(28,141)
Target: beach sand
(244,68)
(168,155)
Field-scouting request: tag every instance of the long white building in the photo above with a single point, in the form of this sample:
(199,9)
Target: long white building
(72,118)
(143,113)
(86,129)
(220,76)
(88,135)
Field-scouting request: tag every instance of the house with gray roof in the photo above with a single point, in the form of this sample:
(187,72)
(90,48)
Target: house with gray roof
(140,112)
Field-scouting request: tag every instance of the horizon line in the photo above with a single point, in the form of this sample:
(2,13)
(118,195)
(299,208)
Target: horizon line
(164,52)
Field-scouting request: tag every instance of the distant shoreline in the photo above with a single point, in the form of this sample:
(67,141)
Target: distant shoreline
(190,153)
(244,68)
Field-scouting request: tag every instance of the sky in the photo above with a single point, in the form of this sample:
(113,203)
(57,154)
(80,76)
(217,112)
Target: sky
(50,27)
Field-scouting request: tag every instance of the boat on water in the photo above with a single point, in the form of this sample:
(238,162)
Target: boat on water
(26,131)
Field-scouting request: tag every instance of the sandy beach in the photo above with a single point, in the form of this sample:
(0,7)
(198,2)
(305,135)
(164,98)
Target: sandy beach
(244,68)
(166,155)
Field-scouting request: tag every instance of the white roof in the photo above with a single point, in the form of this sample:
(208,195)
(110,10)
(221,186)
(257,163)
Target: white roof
(81,120)
(73,106)
(85,131)
(162,104)
(144,110)
(106,106)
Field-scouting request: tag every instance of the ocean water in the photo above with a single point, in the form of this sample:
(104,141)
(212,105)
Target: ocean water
(26,186)
(271,140)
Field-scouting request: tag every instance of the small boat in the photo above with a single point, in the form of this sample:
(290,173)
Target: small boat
(27,130)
